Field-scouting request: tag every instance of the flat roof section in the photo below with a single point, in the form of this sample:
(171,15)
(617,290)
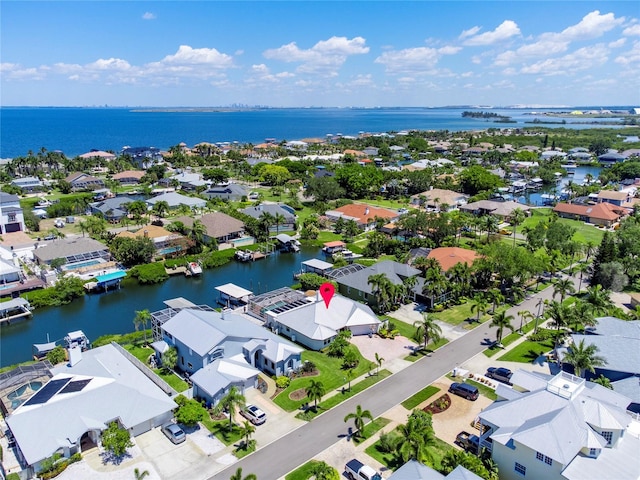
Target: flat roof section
(233,290)
(317,264)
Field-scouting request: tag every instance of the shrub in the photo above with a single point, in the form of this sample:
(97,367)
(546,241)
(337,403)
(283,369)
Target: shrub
(149,273)
(13,476)
(387,442)
(283,382)
(308,367)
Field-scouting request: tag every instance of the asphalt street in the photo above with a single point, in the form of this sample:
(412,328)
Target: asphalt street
(294,449)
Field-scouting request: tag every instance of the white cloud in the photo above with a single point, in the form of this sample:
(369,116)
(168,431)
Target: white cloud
(504,31)
(618,43)
(187,55)
(632,30)
(592,25)
(632,57)
(109,64)
(469,33)
(325,57)
(149,16)
(419,59)
(584,58)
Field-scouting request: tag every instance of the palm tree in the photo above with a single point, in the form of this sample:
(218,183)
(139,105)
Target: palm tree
(490,224)
(138,475)
(170,359)
(517,217)
(501,321)
(563,286)
(524,314)
(415,438)
(230,402)
(379,361)
(323,471)
(359,417)
(279,219)
(266,220)
(238,475)
(427,329)
(480,305)
(581,316)
(142,318)
(198,233)
(246,430)
(560,316)
(583,357)
(583,268)
(315,391)
(604,381)
(380,285)
(496,297)
(600,299)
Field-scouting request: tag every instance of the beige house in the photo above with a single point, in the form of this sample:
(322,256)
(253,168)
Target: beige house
(438,197)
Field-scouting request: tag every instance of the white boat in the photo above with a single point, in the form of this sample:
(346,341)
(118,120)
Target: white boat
(243,255)
(194,268)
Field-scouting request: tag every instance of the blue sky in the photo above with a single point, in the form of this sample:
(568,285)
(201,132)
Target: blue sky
(330,53)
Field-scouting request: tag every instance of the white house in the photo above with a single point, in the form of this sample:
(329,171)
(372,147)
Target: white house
(11,214)
(561,427)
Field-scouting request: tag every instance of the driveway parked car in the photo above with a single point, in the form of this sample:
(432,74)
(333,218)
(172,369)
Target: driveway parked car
(174,433)
(465,390)
(500,374)
(254,414)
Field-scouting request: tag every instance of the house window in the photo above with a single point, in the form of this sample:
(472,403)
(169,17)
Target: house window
(544,458)
(182,360)
(12,217)
(521,469)
(608,436)
(593,452)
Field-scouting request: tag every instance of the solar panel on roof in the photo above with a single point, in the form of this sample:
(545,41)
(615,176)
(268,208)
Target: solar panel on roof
(75,386)
(49,390)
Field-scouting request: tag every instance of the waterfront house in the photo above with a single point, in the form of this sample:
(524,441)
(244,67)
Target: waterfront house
(28,184)
(315,325)
(611,158)
(229,191)
(164,241)
(437,197)
(98,155)
(560,427)
(353,280)
(129,177)
(365,216)
(72,250)
(174,200)
(613,197)
(68,414)
(84,181)
(11,216)
(143,157)
(221,228)
(273,209)
(220,349)
(601,214)
(502,209)
(189,181)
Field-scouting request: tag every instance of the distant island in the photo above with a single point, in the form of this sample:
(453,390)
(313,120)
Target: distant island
(497,118)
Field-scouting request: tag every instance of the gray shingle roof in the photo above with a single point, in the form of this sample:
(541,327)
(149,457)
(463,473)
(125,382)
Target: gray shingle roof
(64,248)
(394,271)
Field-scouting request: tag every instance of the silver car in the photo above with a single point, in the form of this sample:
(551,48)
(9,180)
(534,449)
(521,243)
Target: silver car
(174,433)
(254,414)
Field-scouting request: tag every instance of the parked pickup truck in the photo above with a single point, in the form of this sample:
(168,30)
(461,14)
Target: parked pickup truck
(468,442)
(356,470)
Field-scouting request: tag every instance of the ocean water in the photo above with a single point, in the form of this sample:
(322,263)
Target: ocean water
(78,130)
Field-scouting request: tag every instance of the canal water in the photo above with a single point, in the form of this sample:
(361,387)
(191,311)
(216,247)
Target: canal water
(535,198)
(113,312)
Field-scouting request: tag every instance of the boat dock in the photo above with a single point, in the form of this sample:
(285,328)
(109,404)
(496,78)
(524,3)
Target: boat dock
(249,256)
(103,282)
(14,309)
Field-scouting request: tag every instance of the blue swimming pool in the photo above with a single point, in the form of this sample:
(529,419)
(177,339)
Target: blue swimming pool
(75,266)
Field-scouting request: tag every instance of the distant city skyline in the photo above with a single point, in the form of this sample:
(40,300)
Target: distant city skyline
(319,54)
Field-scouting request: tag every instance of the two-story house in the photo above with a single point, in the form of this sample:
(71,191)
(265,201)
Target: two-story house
(560,427)
(11,214)
(220,349)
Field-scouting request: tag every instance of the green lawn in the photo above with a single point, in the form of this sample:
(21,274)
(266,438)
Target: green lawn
(415,400)
(220,428)
(302,473)
(405,329)
(419,353)
(331,375)
(584,233)
(142,354)
(343,395)
(459,313)
(527,351)
(488,392)
(371,428)
(509,339)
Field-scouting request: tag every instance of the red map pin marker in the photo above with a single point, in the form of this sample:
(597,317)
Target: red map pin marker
(327,290)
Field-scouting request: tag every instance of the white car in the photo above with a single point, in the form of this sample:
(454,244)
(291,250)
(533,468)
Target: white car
(59,223)
(254,414)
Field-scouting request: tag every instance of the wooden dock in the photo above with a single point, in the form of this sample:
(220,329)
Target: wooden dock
(14,309)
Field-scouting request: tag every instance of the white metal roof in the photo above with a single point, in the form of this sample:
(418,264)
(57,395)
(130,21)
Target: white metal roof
(233,290)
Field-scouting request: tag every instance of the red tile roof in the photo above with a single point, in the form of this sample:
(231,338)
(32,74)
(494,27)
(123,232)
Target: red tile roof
(447,257)
(366,213)
(601,211)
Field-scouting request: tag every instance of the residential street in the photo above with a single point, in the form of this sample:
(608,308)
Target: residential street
(275,460)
